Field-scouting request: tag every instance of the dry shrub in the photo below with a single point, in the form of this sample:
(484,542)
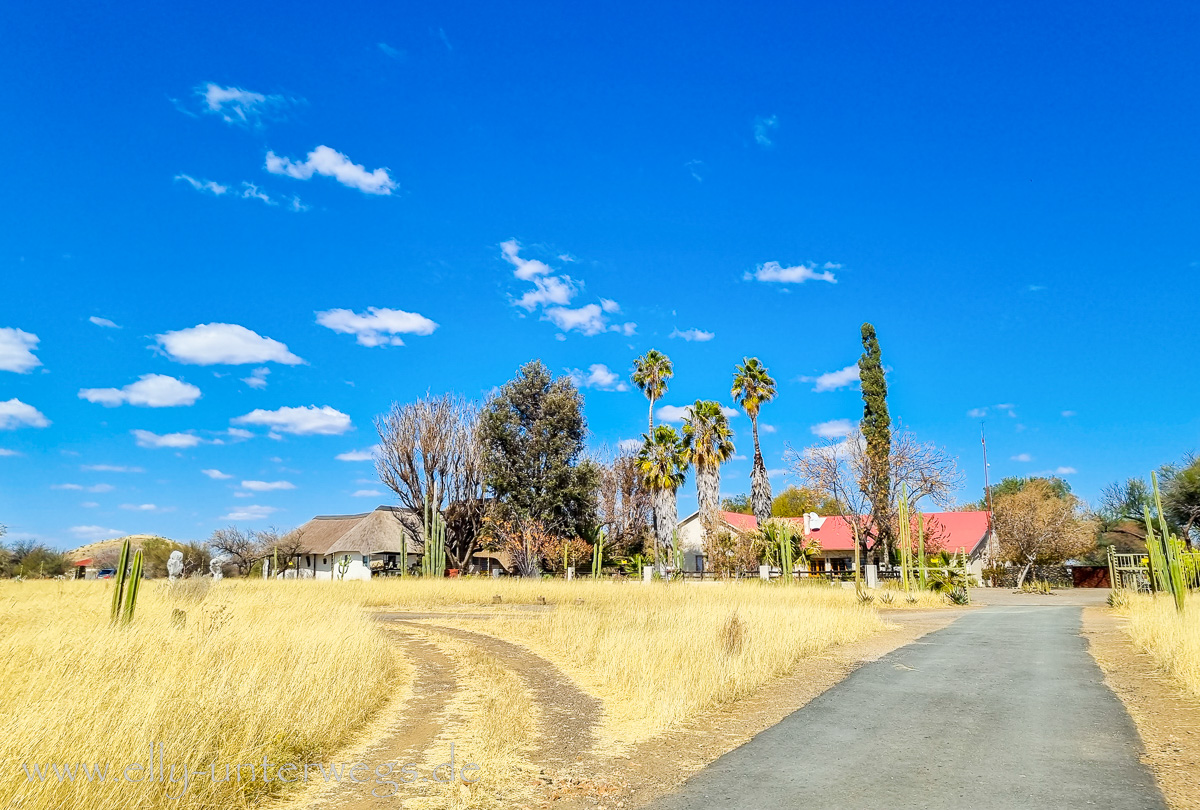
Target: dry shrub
(732,634)
(1172,639)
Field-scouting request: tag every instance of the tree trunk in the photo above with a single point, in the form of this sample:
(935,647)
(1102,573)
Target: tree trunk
(708,491)
(1024,572)
(760,483)
(665,518)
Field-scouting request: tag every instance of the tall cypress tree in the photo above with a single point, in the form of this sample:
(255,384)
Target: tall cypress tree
(877,431)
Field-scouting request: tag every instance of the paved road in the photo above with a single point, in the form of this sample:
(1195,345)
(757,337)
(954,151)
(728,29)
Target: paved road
(1004,708)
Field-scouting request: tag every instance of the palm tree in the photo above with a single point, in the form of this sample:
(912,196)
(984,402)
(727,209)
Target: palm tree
(650,374)
(706,438)
(663,464)
(752,386)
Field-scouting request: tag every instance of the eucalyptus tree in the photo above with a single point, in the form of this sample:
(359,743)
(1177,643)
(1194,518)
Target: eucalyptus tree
(753,386)
(650,374)
(663,463)
(708,441)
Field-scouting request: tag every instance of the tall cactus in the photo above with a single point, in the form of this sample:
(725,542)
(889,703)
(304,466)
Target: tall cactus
(922,575)
(131,595)
(119,582)
(433,562)
(905,539)
(598,554)
(787,560)
(1166,559)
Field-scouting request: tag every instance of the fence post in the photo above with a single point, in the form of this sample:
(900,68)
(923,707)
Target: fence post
(1112,570)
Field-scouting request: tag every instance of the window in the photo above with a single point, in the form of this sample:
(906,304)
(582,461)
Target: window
(324,560)
(366,560)
(840,564)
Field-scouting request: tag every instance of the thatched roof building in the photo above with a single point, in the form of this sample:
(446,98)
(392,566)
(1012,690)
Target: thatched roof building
(385,530)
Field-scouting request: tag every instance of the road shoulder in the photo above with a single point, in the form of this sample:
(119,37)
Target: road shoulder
(660,765)
(1167,719)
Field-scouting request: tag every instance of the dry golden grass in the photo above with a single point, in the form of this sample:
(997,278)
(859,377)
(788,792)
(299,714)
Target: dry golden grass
(1172,640)
(655,654)
(294,670)
(288,673)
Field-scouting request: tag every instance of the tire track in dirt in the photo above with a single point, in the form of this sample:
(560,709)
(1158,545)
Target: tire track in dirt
(419,720)
(569,715)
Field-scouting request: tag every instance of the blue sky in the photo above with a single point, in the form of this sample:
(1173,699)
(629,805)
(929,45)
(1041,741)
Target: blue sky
(1009,193)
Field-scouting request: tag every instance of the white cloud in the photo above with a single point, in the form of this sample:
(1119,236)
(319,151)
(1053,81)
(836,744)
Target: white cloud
(94,488)
(140,507)
(331,163)
(776,473)
(977,413)
(763,126)
(217,475)
(250,512)
(16,350)
(833,429)
(366,493)
(587,319)
(1068,414)
(526,269)
(359,455)
(257,378)
(834,380)
(237,106)
(239,433)
(376,326)
(1022,457)
(549,290)
(1008,408)
(798,274)
(105,322)
(673,413)
(698,335)
(110,468)
(599,376)
(14,414)
(267,486)
(4,451)
(89,504)
(248,191)
(174,440)
(553,292)
(1065,471)
(629,445)
(205,186)
(223,343)
(150,391)
(94,532)
(303,421)
(765,428)
(676,413)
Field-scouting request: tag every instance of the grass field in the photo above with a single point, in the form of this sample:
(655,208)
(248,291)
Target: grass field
(292,671)
(1173,641)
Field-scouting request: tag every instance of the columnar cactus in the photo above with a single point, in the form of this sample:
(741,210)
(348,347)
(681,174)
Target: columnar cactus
(433,562)
(119,581)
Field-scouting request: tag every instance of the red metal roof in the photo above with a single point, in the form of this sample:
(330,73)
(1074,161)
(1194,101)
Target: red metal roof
(944,531)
